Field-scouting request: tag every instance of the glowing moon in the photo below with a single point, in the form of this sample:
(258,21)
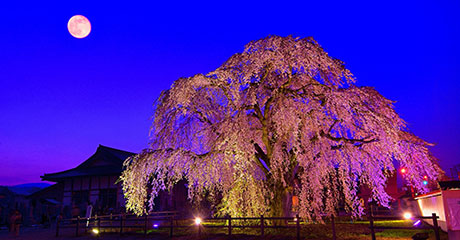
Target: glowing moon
(79,26)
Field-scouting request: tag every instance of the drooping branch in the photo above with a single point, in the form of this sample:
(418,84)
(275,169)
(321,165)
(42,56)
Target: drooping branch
(348,140)
(202,117)
(328,135)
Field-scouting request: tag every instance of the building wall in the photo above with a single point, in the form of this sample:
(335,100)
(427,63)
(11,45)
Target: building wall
(7,205)
(100,191)
(43,209)
(433,204)
(452,208)
(391,188)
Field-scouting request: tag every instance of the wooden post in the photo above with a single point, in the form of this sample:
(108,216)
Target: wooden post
(145,225)
(57,227)
(230,225)
(111,222)
(371,222)
(435,226)
(77,226)
(297,223)
(262,225)
(99,225)
(334,237)
(171,227)
(121,224)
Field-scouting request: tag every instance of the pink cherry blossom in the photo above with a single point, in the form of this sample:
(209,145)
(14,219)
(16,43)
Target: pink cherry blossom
(282,118)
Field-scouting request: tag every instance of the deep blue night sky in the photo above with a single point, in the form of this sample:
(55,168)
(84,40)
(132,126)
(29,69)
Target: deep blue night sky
(60,96)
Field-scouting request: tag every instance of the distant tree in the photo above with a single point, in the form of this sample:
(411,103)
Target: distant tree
(281,119)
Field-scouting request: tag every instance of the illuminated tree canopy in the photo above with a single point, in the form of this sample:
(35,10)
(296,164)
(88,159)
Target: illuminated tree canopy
(280,119)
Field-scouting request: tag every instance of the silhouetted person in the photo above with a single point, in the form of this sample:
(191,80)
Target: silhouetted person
(75,211)
(15,221)
(59,217)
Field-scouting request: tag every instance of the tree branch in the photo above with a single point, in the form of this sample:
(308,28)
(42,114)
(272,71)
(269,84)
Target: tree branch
(348,140)
(202,118)
(260,155)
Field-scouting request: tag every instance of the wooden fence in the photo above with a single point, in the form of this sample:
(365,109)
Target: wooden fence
(372,227)
(171,222)
(123,223)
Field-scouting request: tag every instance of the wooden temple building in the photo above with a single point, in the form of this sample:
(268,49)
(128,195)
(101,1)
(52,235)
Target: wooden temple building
(92,182)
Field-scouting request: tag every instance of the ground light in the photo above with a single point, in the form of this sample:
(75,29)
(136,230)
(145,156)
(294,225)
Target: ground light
(407,215)
(197,221)
(417,223)
(155,225)
(95,231)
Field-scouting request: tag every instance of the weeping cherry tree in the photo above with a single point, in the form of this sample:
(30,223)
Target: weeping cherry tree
(280,119)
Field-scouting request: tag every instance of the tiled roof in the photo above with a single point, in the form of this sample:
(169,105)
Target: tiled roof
(105,161)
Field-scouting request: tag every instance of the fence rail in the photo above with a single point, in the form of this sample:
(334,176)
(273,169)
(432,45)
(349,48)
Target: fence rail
(372,227)
(123,223)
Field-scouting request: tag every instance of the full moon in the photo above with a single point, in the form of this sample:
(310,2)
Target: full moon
(79,26)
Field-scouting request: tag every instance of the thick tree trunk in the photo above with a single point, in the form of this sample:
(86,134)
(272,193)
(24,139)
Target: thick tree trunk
(281,204)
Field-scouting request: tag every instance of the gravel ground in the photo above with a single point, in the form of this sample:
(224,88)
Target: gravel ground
(45,234)
(30,233)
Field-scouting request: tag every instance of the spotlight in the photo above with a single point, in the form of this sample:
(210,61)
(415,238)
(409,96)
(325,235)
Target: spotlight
(403,170)
(95,231)
(407,215)
(295,219)
(425,182)
(155,225)
(197,221)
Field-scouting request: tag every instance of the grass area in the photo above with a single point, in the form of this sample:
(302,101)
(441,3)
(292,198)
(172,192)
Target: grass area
(345,230)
